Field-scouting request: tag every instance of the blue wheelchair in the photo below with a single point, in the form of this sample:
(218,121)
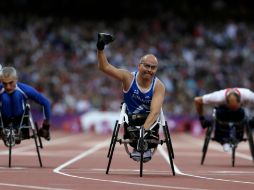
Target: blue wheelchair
(239,131)
(141,141)
(18,130)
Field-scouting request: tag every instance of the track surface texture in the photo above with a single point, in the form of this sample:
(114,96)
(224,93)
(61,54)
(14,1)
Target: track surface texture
(79,161)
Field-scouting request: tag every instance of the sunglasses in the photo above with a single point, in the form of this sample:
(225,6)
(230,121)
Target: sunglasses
(149,66)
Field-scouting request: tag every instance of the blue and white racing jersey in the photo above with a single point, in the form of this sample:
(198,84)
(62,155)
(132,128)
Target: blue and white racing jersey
(137,101)
(13,104)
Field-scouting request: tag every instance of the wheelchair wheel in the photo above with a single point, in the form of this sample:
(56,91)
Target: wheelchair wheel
(112,146)
(39,138)
(35,136)
(233,155)
(141,147)
(169,140)
(250,140)
(111,142)
(206,143)
(169,147)
(11,142)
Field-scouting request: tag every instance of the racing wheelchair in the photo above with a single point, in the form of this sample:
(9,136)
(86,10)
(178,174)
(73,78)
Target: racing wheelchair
(142,141)
(237,132)
(16,130)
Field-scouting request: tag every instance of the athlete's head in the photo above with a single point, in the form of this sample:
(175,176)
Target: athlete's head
(233,99)
(148,65)
(9,79)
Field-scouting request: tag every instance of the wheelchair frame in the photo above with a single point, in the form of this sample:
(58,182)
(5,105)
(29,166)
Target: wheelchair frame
(233,141)
(123,118)
(9,137)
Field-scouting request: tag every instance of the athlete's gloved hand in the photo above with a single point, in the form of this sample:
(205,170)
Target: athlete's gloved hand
(133,132)
(204,122)
(149,133)
(44,131)
(104,39)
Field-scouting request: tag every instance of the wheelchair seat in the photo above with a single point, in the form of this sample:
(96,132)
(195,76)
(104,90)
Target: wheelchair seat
(225,131)
(132,129)
(14,130)
(229,129)
(143,142)
(230,132)
(151,139)
(20,125)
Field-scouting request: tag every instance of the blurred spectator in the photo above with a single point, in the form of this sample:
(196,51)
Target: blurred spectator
(58,57)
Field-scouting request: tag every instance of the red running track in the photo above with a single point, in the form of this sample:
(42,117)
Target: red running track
(78,161)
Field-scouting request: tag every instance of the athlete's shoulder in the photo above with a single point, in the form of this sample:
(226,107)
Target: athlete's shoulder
(159,85)
(158,82)
(25,87)
(245,93)
(244,89)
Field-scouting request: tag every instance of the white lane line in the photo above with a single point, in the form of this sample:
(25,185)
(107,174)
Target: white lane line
(30,186)
(82,155)
(32,146)
(93,150)
(130,170)
(20,149)
(178,171)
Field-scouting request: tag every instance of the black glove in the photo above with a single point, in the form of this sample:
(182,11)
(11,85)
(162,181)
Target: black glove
(44,131)
(104,39)
(151,134)
(133,132)
(204,122)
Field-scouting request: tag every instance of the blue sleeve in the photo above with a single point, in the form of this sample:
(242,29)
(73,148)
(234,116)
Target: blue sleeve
(36,96)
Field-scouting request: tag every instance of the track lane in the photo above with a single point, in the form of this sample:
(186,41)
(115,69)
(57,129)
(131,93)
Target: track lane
(86,166)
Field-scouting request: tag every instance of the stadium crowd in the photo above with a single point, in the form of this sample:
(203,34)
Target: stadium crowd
(58,57)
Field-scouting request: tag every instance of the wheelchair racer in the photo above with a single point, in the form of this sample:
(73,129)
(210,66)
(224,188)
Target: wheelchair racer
(143,92)
(229,108)
(13,98)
